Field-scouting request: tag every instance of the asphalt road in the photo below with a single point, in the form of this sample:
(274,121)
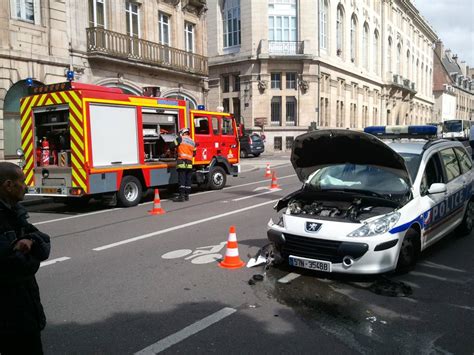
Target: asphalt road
(120,281)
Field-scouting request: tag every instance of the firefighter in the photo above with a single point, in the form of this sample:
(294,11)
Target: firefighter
(186,151)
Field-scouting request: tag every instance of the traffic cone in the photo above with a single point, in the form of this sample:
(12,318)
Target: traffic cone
(274,184)
(156,205)
(268,172)
(231,258)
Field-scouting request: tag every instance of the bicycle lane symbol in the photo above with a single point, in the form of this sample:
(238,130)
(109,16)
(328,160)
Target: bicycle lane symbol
(202,255)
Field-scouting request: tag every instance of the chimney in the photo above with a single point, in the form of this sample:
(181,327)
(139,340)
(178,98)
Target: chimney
(439,48)
(455,58)
(449,54)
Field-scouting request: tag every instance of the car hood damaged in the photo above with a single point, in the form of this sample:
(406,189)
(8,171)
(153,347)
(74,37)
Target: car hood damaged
(314,150)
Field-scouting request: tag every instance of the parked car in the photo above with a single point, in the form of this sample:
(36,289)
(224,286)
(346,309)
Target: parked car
(369,206)
(251,144)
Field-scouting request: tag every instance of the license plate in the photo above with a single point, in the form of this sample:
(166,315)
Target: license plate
(50,190)
(311,264)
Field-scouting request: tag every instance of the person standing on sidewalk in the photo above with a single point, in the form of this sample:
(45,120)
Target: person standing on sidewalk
(22,248)
(184,165)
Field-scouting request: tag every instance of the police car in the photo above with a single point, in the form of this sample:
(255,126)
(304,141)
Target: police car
(372,201)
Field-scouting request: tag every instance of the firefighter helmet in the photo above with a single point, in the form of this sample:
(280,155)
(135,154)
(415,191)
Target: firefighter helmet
(184,131)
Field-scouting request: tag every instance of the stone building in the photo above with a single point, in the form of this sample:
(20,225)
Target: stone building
(129,44)
(453,86)
(285,65)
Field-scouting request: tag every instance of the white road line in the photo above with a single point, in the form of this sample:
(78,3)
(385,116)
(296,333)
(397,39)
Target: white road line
(148,203)
(184,333)
(145,236)
(440,266)
(288,278)
(54,261)
(262,193)
(416,273)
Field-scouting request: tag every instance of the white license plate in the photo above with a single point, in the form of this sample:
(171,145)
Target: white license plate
(311,264)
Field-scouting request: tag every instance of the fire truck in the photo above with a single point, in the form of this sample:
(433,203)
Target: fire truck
(81,141)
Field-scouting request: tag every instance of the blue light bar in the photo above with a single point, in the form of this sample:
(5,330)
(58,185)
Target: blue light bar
(29,81)
(405,131)
(201,107)
(70,75)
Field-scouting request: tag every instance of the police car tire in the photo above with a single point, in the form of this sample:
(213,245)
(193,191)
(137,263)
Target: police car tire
(409,251)
(467,223)
(129,182)
(217,173)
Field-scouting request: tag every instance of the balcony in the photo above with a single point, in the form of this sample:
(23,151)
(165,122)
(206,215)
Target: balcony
(400,83)
(108,44)
(280,48)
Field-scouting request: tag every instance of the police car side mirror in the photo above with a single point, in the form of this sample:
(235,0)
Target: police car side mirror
(437,188)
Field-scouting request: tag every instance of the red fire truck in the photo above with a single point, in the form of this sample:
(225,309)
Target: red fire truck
(103,143)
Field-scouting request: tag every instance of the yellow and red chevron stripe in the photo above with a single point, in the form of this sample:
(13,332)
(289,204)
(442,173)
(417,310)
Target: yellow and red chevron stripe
(76,120)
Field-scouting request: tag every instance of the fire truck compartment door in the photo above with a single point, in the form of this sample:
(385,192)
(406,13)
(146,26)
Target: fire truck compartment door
(114,135)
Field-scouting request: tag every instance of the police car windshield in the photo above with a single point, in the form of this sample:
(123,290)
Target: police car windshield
(412,161)
(358,178)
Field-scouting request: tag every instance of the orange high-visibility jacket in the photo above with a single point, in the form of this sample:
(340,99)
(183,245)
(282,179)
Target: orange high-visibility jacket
(186,149)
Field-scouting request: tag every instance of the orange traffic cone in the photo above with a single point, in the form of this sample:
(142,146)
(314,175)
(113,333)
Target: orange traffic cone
(268,172)
(156,205)
(232,259)
(274,184)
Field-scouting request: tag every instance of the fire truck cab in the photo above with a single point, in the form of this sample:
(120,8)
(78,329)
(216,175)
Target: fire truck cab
(83,141)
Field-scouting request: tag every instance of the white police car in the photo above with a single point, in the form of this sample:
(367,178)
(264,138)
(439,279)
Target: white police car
(368,205)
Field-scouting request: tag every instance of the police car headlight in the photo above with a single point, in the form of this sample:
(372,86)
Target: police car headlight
(377,226)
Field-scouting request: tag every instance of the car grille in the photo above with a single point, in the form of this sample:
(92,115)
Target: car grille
(311,248)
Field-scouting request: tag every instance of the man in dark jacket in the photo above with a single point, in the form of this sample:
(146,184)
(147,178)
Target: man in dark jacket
(22,248)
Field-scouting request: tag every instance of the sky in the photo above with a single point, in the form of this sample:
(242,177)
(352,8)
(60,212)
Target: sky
(453,21)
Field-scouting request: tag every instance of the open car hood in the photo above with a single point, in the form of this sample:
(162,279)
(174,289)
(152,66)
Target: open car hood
(314,150)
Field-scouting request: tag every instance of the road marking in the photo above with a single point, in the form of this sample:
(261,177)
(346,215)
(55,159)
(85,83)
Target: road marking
(288,278)
(184,333)
(54,261)
(171,229)
(147,203)
(440,266)
(416,273)
(262,193)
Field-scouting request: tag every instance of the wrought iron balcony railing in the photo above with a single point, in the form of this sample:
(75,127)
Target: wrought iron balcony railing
(118,45)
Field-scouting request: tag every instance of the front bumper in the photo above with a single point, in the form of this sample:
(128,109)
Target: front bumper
(371,255)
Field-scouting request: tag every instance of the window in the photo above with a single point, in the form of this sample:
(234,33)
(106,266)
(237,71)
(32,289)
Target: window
(164,28)
(227,128)
(289,142)
(132,15)
(450,162)
(201,125)
(226,83)
(432,174)
(97,13)
(339,31)
(215,126)
(276,80)
(276,111)
(282,21)
(225,104)
(237,82)
(323,24)
(24,10)
(277,143)
(389,55)
(365,47)
(376,52)
(189,36)
(353,38)
(291,80)
(407,66)
(231,23)
(399,59)
(291,111)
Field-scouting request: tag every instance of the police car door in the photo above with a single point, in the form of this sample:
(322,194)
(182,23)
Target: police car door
(432,172)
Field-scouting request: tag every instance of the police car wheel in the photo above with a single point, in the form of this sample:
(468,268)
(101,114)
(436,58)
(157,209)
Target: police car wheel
(408,251)
(217,178)
(468,221)
(130,191)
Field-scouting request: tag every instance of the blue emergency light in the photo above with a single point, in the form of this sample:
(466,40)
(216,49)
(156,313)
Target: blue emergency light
(405,131)
(201,107)
(29,81)
(70,75)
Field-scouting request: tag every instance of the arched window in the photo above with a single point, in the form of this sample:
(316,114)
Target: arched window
(376,54)
(353,38)
(407,67)
(181,96)
(418,86)
(231,23)
(323,24)
(389,55)
(340,31)
(422,79)
(399,59)
(365,46)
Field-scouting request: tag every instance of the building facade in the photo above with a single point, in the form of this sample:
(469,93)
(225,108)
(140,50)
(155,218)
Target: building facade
(283,66)
(131,44)
(453,86)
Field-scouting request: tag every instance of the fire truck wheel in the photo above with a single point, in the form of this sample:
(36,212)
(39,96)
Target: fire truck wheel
(130,191)
(217,178)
